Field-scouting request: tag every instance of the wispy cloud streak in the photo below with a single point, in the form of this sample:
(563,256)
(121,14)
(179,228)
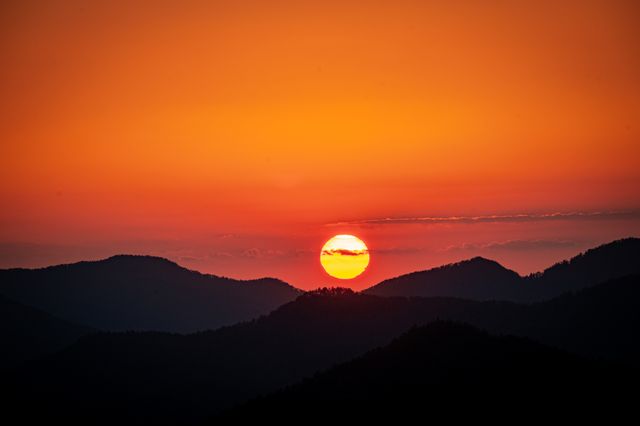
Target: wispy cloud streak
(520,217)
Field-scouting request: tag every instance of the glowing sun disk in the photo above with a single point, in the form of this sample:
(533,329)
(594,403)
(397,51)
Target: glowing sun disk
(344,256)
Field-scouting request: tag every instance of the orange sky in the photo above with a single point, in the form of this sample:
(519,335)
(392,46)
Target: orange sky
(230,136)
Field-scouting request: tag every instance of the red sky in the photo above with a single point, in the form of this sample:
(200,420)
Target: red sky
(236,137)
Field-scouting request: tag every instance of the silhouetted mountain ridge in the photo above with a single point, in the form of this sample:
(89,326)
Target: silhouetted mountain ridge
(608,261)
(128,292)
(473,279)
(169,376)
(482,279)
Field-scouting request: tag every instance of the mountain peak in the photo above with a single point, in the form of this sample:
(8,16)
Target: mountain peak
(478,261)
(471,264)
(127,256)
(139,259)
(476,278)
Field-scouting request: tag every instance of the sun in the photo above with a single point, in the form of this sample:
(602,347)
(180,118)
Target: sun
(344,257)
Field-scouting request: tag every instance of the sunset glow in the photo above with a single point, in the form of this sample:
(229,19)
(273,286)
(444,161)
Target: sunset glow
(286,210)
(234,137)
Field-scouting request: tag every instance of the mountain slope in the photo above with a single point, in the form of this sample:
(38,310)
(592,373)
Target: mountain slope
(443,367)
(166,376)
(609,261)
(482,279)
(27,333)
(143,293)
(476,279)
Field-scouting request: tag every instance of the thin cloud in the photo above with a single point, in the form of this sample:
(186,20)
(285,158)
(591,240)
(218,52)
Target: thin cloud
(521,217)
(344,252)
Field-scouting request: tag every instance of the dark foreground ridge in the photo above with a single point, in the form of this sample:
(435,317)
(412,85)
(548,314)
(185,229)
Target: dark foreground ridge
(454,370)
(27,333)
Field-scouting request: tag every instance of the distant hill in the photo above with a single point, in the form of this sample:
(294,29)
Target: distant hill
(27,333)
(168,376)
(483,279)
(476,279)
(143,293)
(453,370)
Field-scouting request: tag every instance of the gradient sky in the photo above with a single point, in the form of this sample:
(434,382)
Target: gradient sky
(236,137)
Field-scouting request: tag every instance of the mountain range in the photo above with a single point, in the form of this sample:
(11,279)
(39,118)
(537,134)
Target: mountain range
(168,376)
(483,279)
(144,293)
(265,348)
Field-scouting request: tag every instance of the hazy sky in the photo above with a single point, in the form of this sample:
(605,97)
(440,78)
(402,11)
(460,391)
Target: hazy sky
(236,137)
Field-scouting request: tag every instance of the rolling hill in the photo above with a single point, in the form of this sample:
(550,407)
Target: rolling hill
(142,293)
(476,279)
